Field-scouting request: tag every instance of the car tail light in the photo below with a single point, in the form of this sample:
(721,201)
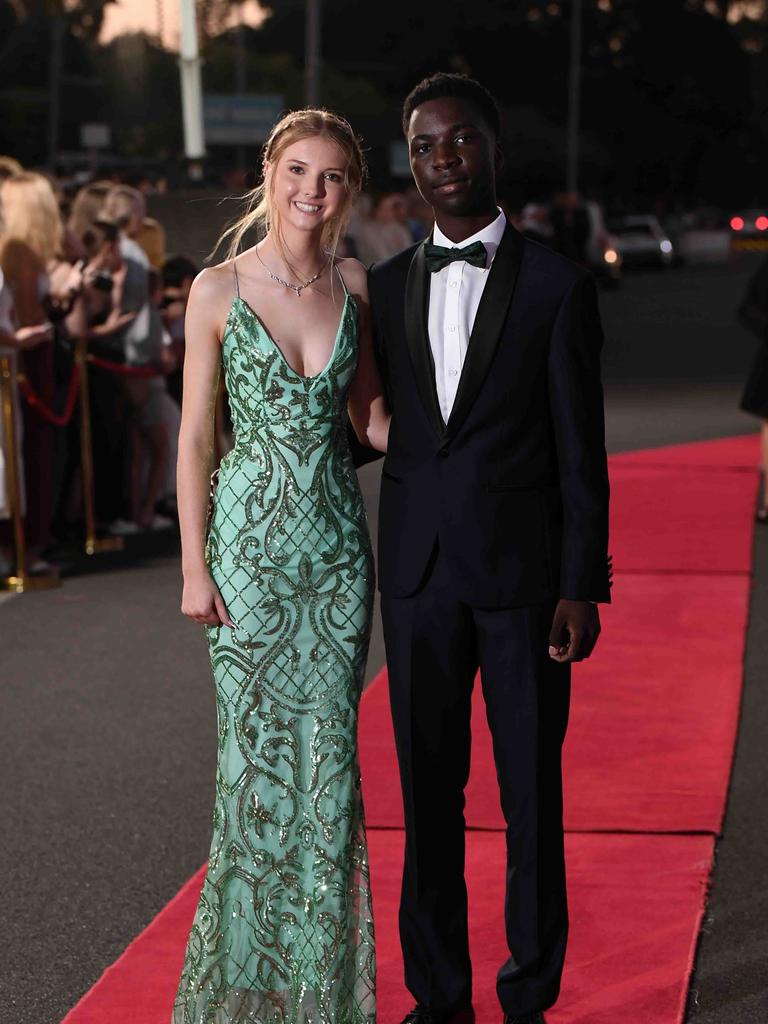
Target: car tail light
(737,223)
(761,223)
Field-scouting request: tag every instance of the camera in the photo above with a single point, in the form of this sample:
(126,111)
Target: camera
(102,280)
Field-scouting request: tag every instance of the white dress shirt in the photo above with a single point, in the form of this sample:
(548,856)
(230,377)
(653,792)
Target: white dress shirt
(454,296)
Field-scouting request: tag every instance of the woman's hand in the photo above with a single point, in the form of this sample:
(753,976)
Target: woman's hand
(202,601)
(116,321)
(29,337)
(75,280)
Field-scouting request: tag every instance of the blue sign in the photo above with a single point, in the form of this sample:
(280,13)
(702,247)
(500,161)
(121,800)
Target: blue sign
(243,120)
(399,164)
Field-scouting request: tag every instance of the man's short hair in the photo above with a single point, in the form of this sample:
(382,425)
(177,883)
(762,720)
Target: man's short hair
(462,87)
(177,269)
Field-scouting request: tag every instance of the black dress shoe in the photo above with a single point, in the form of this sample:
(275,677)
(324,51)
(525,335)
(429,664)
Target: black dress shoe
(527,1018)
(423,1015)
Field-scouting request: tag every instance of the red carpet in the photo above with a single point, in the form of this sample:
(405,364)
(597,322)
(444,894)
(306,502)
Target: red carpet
(733,453)
(624,963)
(653,719)
(649,750)
(671,520)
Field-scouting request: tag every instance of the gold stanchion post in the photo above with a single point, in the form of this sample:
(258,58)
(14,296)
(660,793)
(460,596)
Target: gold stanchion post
(93,544)
(19,580)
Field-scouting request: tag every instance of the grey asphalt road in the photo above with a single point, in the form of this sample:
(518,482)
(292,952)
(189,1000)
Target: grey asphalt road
(108,749)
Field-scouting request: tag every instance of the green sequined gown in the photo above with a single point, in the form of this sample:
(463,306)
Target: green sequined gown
(283,932)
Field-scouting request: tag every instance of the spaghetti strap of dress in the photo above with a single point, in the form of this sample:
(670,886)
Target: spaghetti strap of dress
(341,278)
(237,279)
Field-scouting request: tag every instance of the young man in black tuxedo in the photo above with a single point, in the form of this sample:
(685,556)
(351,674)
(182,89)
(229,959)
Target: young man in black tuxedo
(492,545)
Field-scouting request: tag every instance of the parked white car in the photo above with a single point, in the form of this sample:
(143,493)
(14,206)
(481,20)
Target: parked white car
(642,241)
(704,238)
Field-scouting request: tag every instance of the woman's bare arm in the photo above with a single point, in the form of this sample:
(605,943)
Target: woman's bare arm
(26,337)
(368,410)
(22,270)
(201,600)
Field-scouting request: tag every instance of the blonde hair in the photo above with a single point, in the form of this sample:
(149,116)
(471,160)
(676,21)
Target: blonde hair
(30,214)
(8,167)
(123,203)
(296,125)
(87,206)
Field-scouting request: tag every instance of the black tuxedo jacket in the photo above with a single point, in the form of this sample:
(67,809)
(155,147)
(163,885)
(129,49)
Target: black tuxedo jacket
(514,487)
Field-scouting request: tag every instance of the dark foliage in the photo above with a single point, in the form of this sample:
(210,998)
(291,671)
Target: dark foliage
(673,95)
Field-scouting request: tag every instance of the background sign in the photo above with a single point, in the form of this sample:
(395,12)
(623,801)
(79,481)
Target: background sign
(240,120)
(94,135)
(399,167)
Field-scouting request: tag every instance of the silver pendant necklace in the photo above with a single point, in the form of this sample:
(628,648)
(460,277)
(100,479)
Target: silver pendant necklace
(298,288)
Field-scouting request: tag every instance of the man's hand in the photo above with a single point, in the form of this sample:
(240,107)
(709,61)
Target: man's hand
(575,629)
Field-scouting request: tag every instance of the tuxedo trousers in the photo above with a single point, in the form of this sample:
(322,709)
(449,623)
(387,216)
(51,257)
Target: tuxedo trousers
(435,645)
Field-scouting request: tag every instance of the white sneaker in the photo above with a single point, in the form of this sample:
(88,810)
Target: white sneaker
(161,522)
(42,567)
(122,527)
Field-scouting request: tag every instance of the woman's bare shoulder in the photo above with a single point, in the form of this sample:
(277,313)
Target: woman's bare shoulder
(211,297)
(214,288)
(355,275)
(215,283)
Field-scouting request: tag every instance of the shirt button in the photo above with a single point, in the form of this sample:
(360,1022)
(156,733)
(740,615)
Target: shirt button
(452,373)
(452,328)
(454,284)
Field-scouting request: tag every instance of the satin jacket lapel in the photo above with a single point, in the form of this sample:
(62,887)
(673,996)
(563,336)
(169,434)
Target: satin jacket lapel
(417,338)
(489,321)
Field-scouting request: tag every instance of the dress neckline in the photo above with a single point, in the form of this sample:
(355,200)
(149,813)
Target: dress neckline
(260,323)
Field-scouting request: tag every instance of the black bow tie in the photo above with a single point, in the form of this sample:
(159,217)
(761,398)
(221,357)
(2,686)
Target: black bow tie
(439,256)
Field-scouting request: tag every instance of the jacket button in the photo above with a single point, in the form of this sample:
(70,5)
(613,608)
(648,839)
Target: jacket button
(443,453)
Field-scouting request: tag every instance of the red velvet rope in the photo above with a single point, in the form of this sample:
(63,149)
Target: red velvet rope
(121,368)
(34,401)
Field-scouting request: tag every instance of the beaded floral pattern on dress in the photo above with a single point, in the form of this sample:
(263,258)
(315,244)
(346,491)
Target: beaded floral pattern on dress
(283,932)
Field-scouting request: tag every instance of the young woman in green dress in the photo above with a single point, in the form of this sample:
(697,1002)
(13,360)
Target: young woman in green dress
(282,578)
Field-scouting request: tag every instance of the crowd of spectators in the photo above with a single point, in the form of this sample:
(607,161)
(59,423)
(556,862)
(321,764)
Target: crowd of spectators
(88,266)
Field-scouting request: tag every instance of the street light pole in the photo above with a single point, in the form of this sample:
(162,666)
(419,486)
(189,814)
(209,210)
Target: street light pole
(312,51)
(574,98)
(240,72)
(191,86)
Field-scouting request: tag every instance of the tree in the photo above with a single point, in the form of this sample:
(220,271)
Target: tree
(142,96)
(84,18)
(215,16)
(25,82)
